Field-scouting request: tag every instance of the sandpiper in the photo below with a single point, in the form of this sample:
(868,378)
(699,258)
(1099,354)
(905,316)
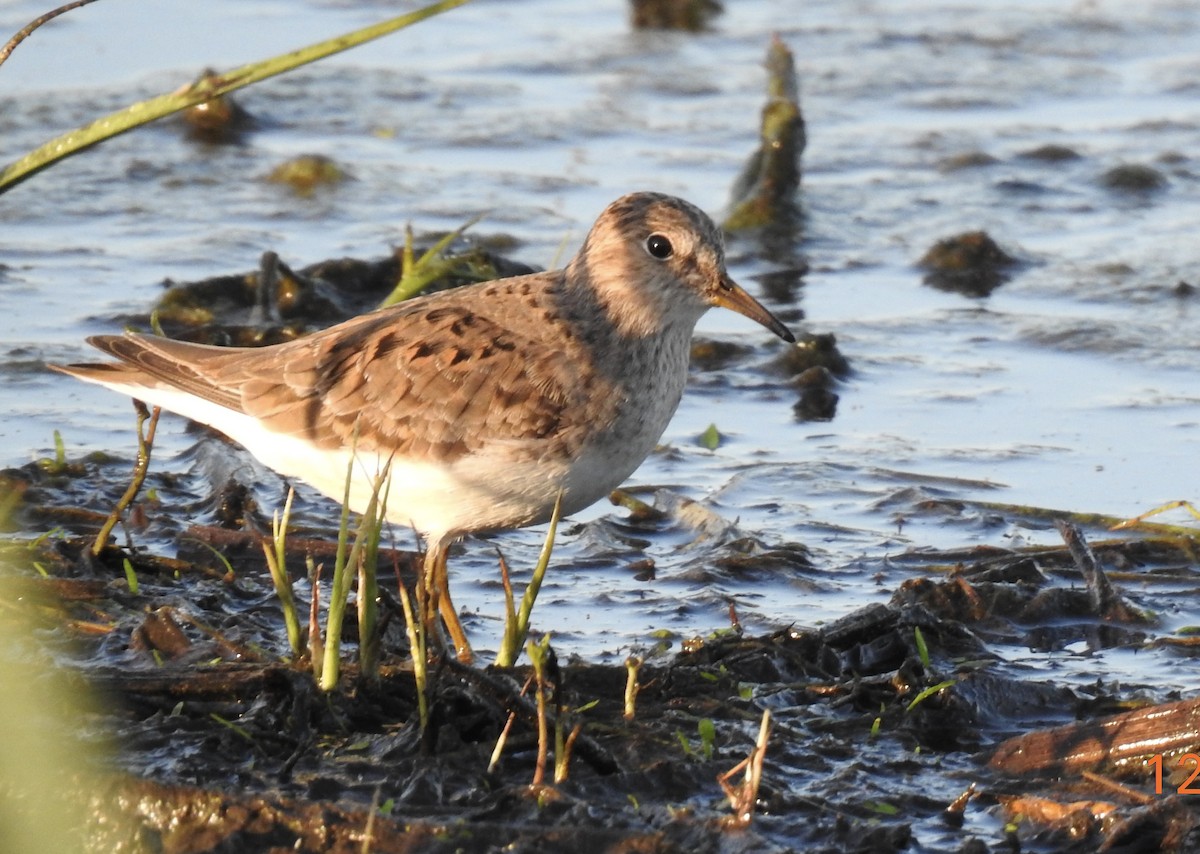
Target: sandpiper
(486,401)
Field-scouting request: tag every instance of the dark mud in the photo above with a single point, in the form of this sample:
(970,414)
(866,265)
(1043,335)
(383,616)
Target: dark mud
(890,726)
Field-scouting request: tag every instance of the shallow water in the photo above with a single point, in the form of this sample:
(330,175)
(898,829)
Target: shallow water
(1072,386)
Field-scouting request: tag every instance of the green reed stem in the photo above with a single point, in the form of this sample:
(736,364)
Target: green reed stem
(277,563)
(516,625)
(368,586)
(339,594)
(415,629)
(538,655)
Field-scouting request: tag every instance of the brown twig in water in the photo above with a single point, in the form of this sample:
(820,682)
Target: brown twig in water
(498,750)
(538,654)
(145,444)
(28,29)
(1134,795)
(1106,600)
(742,797)
(632,665)
(561,767)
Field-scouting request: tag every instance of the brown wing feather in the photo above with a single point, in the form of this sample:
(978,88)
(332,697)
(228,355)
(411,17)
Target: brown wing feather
(434,377)
(176,363)
(437,380)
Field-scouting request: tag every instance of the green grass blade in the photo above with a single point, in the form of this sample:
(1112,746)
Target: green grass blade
(417,275)
(415,629)
(277,564)
(368,586)
(339,589)
(929,692)
(368,532)
(131,577)
(922,648)
(514,633)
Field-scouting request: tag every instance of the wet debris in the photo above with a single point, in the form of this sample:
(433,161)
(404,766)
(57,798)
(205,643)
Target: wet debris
(747,558)
(1133,179)
(709,354)
(815,366)
(690,15)
(1012,597)
(307,173)
(1106,602)
(1146,744)
(971,263)
(182,818)
(967,160)
(818,401)
(195,703)
(160,633)
(1050,153)
(812,350)
(276,303)
(220,120)
(764,194)
(223,742)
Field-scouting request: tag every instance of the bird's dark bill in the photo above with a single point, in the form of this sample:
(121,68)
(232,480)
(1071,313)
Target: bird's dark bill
(734,297)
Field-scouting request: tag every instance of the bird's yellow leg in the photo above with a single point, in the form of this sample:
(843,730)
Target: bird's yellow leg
(435,587)
(462,647)
(427,604)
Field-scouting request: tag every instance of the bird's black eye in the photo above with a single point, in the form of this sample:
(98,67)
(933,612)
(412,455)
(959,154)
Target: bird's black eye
(659,246)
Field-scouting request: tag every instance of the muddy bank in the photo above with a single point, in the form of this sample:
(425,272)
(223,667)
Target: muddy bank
(896,726)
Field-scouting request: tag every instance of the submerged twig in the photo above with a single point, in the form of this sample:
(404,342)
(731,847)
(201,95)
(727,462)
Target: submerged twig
(140,468)
(1106,600)
(26,31)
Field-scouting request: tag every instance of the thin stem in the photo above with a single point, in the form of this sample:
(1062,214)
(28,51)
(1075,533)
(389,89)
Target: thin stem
(140,468)
(517,628)
(316,650)
(368,588)
(339,589)
(415,629)
(26,31)
(633,665)
(276,563)
(537,656)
